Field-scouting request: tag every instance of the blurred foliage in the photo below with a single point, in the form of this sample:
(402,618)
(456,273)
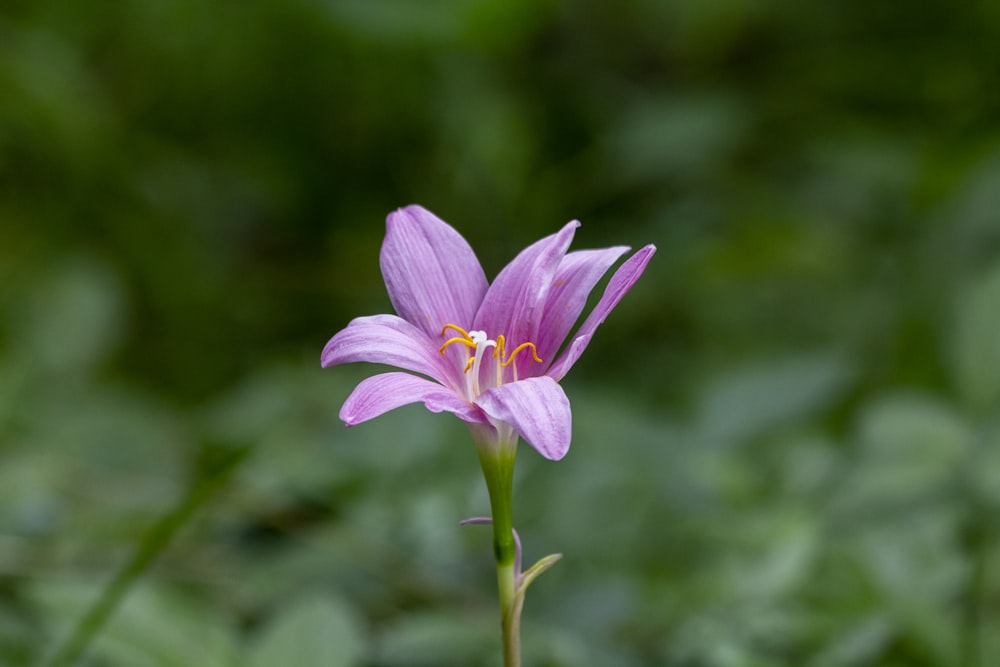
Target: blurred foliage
(787,444)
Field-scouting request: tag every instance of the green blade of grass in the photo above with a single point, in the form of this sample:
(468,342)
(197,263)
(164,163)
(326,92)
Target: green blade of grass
(152,545)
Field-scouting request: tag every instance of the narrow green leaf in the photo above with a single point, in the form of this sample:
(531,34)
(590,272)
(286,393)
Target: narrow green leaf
(534,571)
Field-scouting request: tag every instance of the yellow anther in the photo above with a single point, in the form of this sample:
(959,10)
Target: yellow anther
(498,350)
(456,329)
(522,346)
(464,341)
(468,364)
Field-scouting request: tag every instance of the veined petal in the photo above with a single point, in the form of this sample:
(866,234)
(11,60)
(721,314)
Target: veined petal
(514,303)
(619,285)
(390,340)
(538,410)
(575,278)
(378,394)
(430,271)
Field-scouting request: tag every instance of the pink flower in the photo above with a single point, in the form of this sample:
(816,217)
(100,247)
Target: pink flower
(492,354)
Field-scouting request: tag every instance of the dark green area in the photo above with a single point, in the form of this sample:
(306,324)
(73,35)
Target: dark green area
(786,439)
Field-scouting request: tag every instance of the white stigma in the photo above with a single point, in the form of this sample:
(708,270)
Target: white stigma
(479,338)
(482,342)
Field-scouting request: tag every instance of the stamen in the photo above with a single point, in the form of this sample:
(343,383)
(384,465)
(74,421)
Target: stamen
(478,341)
(522,346)
(498,350)
(463,341)
(456,329)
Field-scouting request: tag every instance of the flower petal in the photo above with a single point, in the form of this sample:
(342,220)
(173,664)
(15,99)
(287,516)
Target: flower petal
(575,278)
(619,285)
(538,410)
(514,304)
(432,275)
(378,394)
(390,340)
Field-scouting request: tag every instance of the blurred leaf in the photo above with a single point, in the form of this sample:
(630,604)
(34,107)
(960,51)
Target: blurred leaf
(984,466)
(709,640)
(396,21)
(152,627)
(749,401)
(918,571)
(862,643)
(976,343)
(809,466)
(440,640)
(676,136)
(910,446)
(313,631)
(71,318)
(95,448)
(567,646)
(788,547)
(861,174)
(50,97)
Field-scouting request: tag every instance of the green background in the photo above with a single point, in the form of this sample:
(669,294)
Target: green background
(787,437)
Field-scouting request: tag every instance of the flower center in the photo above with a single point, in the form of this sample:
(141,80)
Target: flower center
(478,342)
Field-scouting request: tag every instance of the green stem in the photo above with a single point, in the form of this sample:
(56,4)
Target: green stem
(497,460)
(510,611)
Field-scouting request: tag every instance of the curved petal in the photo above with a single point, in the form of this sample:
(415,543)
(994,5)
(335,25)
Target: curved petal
(575,278)
(432,275)
(390,340)
(380,393)
(514,303)
(619,285)
(538,410)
